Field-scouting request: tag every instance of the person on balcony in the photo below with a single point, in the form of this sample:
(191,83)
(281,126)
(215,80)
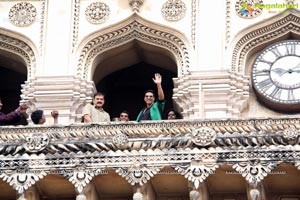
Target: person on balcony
(95,112)
(153,109)
(6,119)
(38,117)
(124,116)
(173,114)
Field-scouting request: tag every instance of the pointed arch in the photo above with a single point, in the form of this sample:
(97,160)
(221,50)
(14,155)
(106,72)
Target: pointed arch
(262,34)
(20,48)
(133,28)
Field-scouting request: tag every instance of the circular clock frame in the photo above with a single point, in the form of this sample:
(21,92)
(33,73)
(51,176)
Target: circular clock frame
(275,76)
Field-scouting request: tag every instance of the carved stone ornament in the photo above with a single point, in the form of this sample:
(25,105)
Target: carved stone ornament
(81,197)
(22,14)
(173,10)
(290,133)
(22,181)
(97,12)
(254,172)
(249,8)
(137,175)
(36,142)
(203,136)
(80,179)
(120,140)
(135,4)
(197,172)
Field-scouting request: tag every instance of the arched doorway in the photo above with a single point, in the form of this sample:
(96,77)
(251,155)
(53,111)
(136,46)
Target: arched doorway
(125,88)
(12,74)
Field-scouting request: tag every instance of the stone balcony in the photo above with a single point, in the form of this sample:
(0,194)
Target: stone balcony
(253,159)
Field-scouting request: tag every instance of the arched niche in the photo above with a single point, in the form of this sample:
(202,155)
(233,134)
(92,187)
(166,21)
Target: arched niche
(253,39)
(132,44)
(17,64)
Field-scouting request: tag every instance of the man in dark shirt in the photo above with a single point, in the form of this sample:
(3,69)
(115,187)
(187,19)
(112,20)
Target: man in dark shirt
(5,119)
(153,110)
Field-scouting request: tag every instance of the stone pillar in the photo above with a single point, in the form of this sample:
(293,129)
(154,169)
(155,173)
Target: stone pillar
(66,94)
(144,192)
(90,192)
(32,193)
(198,194)
(256,193)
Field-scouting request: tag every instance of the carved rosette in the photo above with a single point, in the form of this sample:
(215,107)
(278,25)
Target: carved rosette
(173,10)
(22,14)
(97,12)
(254,172)
(203,136)
(22,181)
(135,5)
(36,142)
(290,133)
(137,175)
(194,195)
(137,196)
(197,172)
(120,140)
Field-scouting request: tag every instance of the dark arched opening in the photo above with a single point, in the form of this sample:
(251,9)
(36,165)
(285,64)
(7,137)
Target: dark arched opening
(12,74)
(125,88)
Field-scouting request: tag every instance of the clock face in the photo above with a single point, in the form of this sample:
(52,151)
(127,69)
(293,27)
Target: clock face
(276,75)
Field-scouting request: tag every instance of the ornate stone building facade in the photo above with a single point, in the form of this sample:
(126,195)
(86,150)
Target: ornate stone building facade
(230,67)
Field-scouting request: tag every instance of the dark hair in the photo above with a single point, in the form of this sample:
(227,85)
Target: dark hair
(36,116)
(149,91)
(125,111)
(177,114)
(98,94)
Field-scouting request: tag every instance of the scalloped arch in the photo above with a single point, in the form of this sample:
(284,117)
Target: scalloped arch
(133,28)
(20,46)
(262,33)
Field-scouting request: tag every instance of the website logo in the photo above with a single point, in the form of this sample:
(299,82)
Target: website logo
(247,8)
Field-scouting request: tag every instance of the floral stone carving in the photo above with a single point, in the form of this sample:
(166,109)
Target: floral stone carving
(22,14)
(173,10)
(36,142)
(203,136)
(97,12)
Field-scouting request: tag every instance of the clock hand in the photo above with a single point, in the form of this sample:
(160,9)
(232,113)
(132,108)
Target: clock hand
(280,71)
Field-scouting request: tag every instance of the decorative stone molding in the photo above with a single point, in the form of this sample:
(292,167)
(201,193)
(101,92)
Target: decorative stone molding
(254,172)
(262,33)
(82,178)
(196,172)
(138,174)
(203,136)
(133,28)
(64,93)
(76,17)
(151,147)
(204,92)
(22,181)
(22,14)
(135,5)
(16,45)
(173,10)
(36,142)
(97,12)
(194,22)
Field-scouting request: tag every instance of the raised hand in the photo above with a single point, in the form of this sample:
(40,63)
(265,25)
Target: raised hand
(157,78)
(22,108)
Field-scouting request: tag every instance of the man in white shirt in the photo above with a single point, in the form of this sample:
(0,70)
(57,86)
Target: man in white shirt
(95,112)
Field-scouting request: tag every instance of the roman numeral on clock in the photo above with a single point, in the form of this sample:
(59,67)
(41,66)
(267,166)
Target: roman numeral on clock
(265,84)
